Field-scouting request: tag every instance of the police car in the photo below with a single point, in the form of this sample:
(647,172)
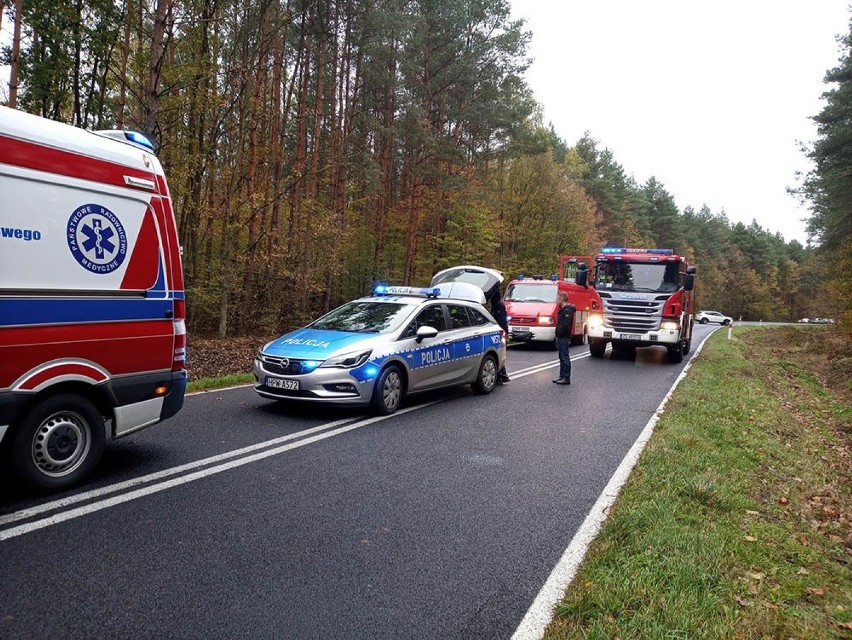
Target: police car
(377,349)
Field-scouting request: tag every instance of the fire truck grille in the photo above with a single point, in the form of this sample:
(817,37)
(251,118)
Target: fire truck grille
(633,315)
(520,320)
(281,366)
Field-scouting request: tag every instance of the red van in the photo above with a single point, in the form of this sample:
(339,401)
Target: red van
(531,304)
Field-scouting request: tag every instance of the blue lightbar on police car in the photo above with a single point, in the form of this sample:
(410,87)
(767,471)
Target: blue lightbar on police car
(138,138)
(387,290)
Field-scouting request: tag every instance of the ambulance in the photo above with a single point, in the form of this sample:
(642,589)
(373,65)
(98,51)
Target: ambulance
(92,308)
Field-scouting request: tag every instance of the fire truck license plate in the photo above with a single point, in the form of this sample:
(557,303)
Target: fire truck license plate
(278,383)
(630,336)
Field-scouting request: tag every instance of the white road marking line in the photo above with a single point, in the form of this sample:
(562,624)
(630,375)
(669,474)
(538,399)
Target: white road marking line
(133,482)
(539,614)
(175,482)
(544,366)
(93,494)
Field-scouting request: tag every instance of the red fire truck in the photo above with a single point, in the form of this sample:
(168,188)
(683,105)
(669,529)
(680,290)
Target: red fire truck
(531,304)
(639,298)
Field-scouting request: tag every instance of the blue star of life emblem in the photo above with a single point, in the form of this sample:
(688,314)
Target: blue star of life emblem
(96,238)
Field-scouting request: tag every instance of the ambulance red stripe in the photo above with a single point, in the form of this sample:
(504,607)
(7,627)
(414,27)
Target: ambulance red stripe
(42,158)
(120,348)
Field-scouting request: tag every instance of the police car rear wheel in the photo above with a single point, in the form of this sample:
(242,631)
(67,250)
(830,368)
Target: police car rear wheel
(57,443)
(387,395)
(486,379)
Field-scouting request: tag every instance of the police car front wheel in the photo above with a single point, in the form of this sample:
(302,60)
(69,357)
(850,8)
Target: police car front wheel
(387,396)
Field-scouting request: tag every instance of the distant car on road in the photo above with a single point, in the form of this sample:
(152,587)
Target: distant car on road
(805,320)
(821,321)
(713,316)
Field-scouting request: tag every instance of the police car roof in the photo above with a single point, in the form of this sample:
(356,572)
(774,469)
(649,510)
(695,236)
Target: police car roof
(447,291)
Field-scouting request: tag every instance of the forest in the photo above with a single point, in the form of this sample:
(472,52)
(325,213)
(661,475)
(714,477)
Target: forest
(316,146)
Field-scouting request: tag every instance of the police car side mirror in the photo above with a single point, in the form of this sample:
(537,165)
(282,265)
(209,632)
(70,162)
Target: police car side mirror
(426,332)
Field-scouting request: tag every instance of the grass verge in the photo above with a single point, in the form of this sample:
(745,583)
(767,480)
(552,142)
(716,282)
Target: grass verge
(736,521)
(232,380)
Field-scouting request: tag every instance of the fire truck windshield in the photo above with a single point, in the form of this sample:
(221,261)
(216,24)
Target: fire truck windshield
(531,292)
(636,276)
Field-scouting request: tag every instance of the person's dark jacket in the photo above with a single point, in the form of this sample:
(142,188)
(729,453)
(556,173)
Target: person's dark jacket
(565,321)
(498,310)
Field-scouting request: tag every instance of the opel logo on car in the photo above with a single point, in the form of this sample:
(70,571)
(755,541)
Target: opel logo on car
(285,362)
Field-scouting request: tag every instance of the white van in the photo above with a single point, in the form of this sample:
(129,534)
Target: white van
(92,309)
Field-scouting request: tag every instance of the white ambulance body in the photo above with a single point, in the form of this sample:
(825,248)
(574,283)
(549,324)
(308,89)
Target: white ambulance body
(92,333)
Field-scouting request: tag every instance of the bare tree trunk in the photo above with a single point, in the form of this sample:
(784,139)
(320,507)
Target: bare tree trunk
(125,55)
(75,79)
(16,56)
(152,106)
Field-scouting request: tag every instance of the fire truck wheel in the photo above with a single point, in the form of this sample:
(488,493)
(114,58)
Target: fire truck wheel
(387,396)
(676,354)
(597,347)
(687,346)
(57,443)
(486,379)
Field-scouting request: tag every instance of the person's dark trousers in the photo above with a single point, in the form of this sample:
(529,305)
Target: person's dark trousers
(564,358)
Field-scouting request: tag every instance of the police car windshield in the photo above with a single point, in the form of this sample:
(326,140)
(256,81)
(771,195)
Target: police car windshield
(625,276)
(531,292)
(365,317)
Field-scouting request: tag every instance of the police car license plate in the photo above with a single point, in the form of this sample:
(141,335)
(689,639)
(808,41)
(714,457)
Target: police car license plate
(630,336)
(278,383)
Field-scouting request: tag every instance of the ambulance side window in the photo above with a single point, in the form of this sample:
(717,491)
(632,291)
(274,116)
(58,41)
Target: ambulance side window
(431,316)
(458,316)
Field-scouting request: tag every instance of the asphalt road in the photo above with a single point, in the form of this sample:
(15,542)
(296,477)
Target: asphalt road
(240,518)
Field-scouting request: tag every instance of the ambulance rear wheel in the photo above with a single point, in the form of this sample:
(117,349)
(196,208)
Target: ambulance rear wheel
(57,443)
(486,379)
(387,396)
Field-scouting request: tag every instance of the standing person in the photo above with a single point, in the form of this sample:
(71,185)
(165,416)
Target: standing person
(498,310)
(564,325)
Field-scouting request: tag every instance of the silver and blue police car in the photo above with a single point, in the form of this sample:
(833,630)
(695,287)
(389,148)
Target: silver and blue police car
(375,350)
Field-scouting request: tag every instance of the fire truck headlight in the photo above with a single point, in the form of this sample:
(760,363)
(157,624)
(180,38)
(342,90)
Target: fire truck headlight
(669,325)
(595,320)
(546,320)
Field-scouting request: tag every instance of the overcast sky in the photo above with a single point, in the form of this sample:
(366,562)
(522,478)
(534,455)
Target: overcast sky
(711,98)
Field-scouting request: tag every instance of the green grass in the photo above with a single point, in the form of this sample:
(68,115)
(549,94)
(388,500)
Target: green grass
(207,384)
(736,521)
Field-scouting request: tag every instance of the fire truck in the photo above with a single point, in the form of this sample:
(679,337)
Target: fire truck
(532,308)
(639,298)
